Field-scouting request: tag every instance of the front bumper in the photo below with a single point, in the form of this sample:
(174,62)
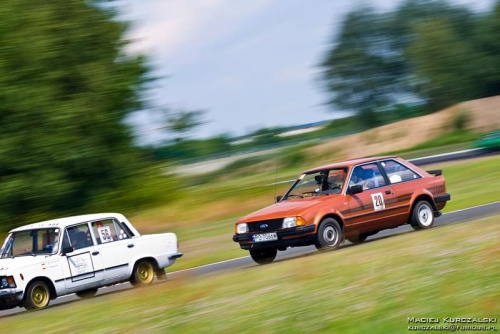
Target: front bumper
(288,237)
(10,298)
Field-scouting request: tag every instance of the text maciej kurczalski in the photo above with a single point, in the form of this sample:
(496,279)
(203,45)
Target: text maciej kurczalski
(451,320)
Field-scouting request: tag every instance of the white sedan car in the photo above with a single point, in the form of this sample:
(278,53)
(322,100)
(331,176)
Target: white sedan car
(45,260)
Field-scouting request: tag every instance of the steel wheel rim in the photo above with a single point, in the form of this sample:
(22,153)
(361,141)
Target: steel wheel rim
(40,296)
(330,235)
(145,271)
(425,215)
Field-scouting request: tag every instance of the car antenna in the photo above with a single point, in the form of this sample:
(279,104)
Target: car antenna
(276,176)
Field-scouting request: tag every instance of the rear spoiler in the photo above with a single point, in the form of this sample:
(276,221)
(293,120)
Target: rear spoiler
(435,172)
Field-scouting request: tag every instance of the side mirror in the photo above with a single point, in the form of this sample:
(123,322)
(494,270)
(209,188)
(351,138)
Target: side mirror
(358,188)
(278,198)
(67,250)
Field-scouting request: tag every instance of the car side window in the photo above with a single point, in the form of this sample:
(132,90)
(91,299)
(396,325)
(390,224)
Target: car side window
(108,230)
(78,237)
(397,172)
(48,240)
(368,176)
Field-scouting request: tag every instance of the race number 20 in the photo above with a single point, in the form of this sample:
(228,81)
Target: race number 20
(378,201)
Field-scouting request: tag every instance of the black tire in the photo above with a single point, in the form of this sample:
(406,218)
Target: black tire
(329,235)
(263,256)
(358,239)
(89,293)
(422,216)
(37,296)
(143,274)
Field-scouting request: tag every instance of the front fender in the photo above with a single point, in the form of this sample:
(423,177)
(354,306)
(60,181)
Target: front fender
(321,214)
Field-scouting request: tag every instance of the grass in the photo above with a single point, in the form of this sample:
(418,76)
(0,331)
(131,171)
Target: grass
(204,219)
(470,183)
(449,271)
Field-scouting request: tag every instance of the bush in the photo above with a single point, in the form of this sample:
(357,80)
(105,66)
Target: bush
(460,120)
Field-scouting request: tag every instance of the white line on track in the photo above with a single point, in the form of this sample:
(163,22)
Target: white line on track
(472,207)
(208,265)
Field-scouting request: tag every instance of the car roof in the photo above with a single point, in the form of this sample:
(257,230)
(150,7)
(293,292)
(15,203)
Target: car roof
(67,221)
(348,163)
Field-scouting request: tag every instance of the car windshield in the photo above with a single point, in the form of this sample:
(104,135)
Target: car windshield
(31,242)
(324,182)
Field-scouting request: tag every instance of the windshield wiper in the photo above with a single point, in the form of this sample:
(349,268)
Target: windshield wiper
(313,193)
(294,195)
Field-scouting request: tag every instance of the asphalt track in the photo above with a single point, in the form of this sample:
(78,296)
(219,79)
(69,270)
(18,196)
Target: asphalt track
(455,217)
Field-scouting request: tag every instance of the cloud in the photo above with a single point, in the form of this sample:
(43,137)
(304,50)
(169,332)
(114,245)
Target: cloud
(171,29)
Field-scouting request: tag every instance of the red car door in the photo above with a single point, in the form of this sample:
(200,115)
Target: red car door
(369,209)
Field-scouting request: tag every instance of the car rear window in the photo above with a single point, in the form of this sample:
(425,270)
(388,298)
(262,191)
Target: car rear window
(397,172)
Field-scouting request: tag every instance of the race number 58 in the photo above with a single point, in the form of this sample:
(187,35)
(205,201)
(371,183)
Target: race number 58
(378,201)
(105,234)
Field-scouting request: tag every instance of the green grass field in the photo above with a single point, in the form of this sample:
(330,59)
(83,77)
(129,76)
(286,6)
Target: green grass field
(204,219)
(472,182)
(450,271)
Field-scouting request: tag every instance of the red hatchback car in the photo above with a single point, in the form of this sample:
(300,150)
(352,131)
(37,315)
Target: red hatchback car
(351,200)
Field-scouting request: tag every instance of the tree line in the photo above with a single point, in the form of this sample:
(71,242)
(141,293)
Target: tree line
(66,86)
(425,53)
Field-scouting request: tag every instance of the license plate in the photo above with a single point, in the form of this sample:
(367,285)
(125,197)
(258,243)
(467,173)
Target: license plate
(265,237)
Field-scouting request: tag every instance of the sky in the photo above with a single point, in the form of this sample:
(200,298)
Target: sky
(249,64)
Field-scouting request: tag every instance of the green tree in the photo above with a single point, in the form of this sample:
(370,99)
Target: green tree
(65,87)
(443,63)
(182,122)
(487,63)
(355,72)
(367,70)
(454,65)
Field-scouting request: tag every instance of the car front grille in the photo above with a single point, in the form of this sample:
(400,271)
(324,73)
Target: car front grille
(265,225)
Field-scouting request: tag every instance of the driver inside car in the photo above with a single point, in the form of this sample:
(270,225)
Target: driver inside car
(329,184)
(363,177)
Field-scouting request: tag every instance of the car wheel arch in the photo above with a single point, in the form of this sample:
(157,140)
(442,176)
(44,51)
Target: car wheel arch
(144,258)
(47,281)
(330,215)
(423,196)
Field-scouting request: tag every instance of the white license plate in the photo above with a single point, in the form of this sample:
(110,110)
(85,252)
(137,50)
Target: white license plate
(265,237)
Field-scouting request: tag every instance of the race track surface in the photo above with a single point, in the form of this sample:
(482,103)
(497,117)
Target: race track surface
(455,217)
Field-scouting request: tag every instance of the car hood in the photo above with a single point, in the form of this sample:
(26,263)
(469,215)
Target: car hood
(8,265)
(288,208)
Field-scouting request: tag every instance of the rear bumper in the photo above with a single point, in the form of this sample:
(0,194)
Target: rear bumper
(175,256)
(296,236)
(442,198)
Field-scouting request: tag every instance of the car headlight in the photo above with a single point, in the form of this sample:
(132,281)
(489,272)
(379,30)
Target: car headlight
(293,221)
(242,228)
(7,282)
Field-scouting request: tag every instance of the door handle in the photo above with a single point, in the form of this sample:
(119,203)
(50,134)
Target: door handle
(95,253)
(130,245)
(388,192)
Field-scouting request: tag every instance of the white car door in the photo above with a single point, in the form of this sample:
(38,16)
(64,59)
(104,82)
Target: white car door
(82,259)
(115,247)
